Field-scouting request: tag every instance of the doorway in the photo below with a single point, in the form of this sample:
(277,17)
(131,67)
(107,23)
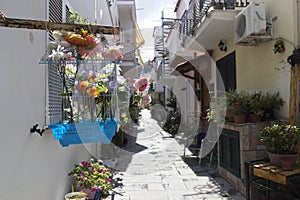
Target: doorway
(227,69)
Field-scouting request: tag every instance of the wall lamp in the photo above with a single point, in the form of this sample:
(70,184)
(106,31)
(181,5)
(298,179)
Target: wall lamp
(222,46)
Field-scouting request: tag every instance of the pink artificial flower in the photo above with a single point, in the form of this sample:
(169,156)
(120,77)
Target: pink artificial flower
(91,49)
(70,57)
(108,179)
(95,189)
(113,53)
(127,80)
(141,84)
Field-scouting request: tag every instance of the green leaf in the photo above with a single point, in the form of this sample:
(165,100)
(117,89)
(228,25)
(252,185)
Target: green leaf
(70,72)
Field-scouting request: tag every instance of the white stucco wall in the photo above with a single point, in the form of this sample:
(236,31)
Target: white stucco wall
(257,67)
(95,11)
(32,167)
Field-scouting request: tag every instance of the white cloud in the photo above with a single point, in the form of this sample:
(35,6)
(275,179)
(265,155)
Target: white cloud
(149,13)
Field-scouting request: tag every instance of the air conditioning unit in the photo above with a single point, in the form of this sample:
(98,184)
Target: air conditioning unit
(250,25)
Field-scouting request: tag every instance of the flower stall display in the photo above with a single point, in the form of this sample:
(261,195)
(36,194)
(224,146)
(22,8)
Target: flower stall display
(92,176)
(90,75)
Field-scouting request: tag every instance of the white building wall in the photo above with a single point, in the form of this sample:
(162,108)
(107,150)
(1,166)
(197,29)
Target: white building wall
(32,167)
(183,6)
(96,11)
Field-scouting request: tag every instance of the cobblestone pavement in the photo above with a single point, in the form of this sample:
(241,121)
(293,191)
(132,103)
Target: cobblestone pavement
(150,167)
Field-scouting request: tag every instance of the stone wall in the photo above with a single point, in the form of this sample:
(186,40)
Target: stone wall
(250,149)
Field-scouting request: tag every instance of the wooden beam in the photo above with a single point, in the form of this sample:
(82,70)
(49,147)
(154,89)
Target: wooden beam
(294,60)
(295,78)
(50,26)
(188,76)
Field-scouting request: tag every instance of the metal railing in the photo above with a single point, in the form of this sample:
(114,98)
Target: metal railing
(198,10)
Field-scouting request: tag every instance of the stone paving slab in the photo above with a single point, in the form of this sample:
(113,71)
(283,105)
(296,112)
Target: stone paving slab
(151,168)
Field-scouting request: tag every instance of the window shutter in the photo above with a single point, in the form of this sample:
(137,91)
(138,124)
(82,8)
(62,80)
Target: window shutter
(54,82)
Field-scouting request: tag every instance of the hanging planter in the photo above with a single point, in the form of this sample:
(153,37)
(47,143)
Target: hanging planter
(84,132)
(90,77)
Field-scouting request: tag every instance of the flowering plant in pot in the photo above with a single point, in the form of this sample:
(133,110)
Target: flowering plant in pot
(91,176)
(238,104)
(280,139)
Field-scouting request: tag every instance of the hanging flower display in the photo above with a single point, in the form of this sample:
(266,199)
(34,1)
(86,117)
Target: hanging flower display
(90,75)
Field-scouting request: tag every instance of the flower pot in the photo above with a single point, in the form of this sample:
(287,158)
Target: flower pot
(75,196)
(90,193)
(239,119)
(229,116)
(288,162)
(255,118)
(275,159)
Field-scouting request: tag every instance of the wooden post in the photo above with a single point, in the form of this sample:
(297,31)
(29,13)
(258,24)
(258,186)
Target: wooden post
(294,60)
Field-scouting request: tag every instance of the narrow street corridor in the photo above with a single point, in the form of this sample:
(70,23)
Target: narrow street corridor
(151,168)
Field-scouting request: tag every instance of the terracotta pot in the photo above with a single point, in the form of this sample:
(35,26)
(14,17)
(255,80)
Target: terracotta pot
(239,119)
(255,118)
(288,163)
(229,116)
(275,159)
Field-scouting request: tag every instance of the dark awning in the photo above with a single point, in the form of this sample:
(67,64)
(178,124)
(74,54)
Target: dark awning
(183,68)
(199,65)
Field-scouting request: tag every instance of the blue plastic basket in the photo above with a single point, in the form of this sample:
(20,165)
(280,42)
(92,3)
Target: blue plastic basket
(84,132)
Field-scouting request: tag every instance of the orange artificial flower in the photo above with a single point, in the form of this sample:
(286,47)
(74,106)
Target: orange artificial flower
(82,86)
(93,92)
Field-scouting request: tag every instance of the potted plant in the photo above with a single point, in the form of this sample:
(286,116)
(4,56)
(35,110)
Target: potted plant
(271,102)
(238,103)
(91,176)
(280,141)
(257,108)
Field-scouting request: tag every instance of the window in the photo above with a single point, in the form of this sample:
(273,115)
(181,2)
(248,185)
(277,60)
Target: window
(230,151)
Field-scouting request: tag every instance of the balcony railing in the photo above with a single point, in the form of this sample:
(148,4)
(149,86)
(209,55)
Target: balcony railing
(199,9)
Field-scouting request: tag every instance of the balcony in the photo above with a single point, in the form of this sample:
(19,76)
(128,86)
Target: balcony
(177,53)
(204,24)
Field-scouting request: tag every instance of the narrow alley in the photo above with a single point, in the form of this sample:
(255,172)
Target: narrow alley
(151,167)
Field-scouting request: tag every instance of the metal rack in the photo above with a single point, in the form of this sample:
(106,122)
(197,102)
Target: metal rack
(270,180)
